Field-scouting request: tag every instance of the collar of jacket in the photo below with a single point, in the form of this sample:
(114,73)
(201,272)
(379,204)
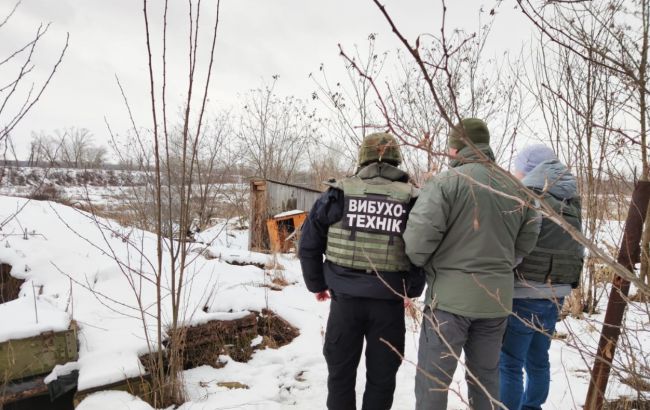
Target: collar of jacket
(384,170)
(468,155)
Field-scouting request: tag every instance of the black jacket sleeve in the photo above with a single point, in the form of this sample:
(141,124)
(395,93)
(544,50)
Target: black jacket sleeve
(416,279)
(313,237)
(415,282)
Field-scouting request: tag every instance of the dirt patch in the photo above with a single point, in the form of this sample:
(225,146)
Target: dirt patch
(9,286)
(271,286)
(277,283)
(203,344)
(233,385)
(245,263)
(275,331)
(281,281)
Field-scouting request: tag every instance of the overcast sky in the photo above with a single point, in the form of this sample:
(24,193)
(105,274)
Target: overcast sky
(257,39)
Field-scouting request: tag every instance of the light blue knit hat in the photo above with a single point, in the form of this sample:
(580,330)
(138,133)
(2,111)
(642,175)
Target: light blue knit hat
(531,156)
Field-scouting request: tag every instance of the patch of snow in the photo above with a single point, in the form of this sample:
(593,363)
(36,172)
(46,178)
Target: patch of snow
(112,400)
(19,318)
(289,213)
(61,370)
(205,318)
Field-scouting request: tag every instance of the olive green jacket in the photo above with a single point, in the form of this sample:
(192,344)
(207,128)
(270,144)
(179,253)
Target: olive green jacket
(467,237)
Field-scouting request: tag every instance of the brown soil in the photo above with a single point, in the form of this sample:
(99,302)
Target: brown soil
(276,331)
(9,286)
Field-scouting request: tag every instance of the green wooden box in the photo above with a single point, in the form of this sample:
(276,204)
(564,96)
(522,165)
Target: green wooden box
(20,358)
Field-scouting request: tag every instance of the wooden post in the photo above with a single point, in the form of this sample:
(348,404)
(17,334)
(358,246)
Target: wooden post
(629,254)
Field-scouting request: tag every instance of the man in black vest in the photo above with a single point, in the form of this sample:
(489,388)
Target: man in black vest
(543,279)
(358,224)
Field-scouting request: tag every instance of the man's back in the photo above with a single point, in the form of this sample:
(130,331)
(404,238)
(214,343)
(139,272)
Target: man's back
(466,230)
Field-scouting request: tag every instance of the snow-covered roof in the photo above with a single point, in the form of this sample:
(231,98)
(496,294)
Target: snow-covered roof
(289,213)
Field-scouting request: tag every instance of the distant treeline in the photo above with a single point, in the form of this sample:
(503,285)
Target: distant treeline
(46,164)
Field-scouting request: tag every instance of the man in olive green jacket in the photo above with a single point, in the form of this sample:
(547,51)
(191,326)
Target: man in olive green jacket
(467,229)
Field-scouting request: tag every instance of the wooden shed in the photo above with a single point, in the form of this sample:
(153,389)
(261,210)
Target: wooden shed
(269,198)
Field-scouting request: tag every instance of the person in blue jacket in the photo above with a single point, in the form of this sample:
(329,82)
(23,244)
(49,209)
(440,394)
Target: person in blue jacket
(542,280)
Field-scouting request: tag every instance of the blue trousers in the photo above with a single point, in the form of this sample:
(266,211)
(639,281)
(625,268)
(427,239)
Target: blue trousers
(525,346)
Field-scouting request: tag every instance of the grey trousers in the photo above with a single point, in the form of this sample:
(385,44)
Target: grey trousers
(442,337)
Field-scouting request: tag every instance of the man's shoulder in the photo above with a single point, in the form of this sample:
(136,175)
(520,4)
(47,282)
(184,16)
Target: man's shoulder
(333,183)
(445,179)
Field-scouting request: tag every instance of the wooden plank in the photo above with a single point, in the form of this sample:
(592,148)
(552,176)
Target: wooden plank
(258,238)
(277,197)
(12,392)
(274,235)
(299,219)
(21,358)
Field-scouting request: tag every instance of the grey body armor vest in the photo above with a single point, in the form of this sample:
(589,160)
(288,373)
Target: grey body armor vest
(369,235)
(557,256)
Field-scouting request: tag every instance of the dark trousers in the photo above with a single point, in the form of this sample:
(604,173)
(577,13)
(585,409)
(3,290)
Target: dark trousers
(442,338)
(350,320)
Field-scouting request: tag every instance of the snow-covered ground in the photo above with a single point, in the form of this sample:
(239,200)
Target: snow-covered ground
(91,270)
(100,188)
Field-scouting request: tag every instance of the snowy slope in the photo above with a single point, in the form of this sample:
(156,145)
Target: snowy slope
(88,269)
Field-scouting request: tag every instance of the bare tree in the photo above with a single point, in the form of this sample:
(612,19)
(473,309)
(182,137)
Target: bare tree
(96,156)
(72,148)
(169,152)
(613,36)
(325,162)
(350,105)
(274,132)
(466,83)
(20,89)
(44,149)
(216,155)
(581,106)
(75,145)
